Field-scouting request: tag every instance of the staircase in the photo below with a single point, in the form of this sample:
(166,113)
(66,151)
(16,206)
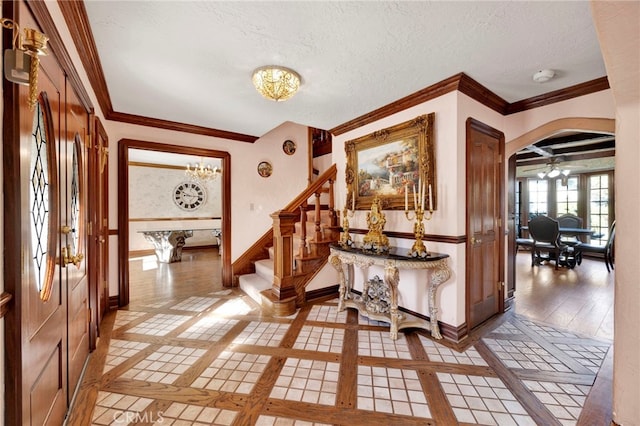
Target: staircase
(276,269)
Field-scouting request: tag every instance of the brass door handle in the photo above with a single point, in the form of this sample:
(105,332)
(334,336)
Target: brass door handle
(475,241)
(68,258)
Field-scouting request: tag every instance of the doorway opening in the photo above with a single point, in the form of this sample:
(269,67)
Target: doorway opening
(180,156)
(552,171)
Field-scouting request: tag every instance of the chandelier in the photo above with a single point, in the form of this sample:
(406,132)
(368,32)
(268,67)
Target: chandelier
(276,83)
(202,172)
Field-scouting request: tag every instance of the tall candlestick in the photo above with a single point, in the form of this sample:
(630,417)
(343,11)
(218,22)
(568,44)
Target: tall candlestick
(430,199)
(406,198)
(415,198)
(353,201)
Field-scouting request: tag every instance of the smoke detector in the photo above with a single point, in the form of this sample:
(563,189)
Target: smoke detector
(543,76)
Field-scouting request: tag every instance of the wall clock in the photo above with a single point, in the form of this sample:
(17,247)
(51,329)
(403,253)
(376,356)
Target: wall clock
(189,195)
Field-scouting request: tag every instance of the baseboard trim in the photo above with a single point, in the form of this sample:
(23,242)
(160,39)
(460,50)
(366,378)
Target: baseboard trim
(114,302)
(322,293)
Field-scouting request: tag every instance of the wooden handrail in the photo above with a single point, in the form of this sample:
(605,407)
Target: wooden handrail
(329,174)
(4,301)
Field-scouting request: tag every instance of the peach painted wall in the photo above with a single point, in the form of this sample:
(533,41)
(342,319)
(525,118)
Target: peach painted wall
(619,35)
(447,220)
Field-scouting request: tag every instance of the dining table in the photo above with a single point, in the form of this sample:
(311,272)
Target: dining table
(570,232)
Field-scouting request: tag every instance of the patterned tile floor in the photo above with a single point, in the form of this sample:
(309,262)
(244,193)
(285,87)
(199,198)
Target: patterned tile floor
(213,359)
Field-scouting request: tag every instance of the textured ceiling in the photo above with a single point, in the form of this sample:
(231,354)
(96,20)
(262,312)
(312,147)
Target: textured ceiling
(191,62)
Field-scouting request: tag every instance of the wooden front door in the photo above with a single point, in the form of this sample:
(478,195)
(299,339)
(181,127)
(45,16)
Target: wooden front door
(73,196)
(44,178)
(485,236)
(98,212)
(41,315)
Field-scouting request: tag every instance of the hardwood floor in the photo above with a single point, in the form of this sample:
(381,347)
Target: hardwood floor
(198,271)
(188,352)
(579,299)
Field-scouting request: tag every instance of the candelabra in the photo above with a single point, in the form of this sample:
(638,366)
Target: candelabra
(418,249)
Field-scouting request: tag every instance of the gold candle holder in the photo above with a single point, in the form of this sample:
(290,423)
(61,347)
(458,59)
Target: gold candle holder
(419,215)
(345,237)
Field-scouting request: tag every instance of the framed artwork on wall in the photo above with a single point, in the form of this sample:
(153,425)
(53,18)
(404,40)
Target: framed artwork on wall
(391,164)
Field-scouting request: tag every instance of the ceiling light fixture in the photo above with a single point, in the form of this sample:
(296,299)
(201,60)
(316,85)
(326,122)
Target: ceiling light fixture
(202,172)
(543,76)
(276,83)
(554,173)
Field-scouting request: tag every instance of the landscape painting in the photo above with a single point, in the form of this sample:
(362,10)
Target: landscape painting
(390,164)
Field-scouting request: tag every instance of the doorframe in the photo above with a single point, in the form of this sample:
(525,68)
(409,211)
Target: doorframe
(123,206)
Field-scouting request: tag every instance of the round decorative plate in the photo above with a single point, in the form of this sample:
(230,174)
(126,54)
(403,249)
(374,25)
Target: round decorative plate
(265,169)
(289,147)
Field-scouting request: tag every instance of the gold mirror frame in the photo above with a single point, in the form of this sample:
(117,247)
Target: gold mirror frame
(47,182)
(403,153)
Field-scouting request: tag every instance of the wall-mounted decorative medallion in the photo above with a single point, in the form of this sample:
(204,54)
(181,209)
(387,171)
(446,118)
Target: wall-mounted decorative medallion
(265,169)
(289,147)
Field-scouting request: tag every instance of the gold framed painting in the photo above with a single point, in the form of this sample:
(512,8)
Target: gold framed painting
(391,164)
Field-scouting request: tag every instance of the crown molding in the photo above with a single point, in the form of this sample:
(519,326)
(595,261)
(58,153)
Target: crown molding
(567,93)
(178,127)
(461,82)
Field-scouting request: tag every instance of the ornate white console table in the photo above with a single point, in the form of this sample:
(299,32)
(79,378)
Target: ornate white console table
(379,299)
(168,243)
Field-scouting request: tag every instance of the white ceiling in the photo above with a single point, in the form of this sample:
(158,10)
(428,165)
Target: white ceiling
(191,62)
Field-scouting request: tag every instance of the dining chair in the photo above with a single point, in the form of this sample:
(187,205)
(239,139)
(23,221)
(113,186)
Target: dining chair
(569,220)
(545,233)
(606,250)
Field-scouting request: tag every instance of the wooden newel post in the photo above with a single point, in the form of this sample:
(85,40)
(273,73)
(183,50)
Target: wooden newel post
(283,229)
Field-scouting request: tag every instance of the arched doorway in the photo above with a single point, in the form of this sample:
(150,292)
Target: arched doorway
(537,136)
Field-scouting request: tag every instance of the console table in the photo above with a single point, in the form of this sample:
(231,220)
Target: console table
(379,299)
(168,243)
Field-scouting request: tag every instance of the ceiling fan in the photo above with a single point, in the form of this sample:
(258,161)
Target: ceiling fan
(552,169)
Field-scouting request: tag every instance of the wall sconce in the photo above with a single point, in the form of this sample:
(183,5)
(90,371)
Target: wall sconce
(21,63)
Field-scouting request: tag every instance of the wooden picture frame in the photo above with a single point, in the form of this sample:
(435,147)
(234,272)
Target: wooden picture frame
(388,161)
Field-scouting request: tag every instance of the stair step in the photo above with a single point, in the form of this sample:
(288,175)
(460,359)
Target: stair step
(253,285)
(264,268)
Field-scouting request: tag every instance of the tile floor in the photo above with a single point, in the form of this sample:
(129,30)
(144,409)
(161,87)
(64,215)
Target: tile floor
(213,359)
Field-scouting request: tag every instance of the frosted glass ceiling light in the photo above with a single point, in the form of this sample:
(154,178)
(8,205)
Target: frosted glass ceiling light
(276,83)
